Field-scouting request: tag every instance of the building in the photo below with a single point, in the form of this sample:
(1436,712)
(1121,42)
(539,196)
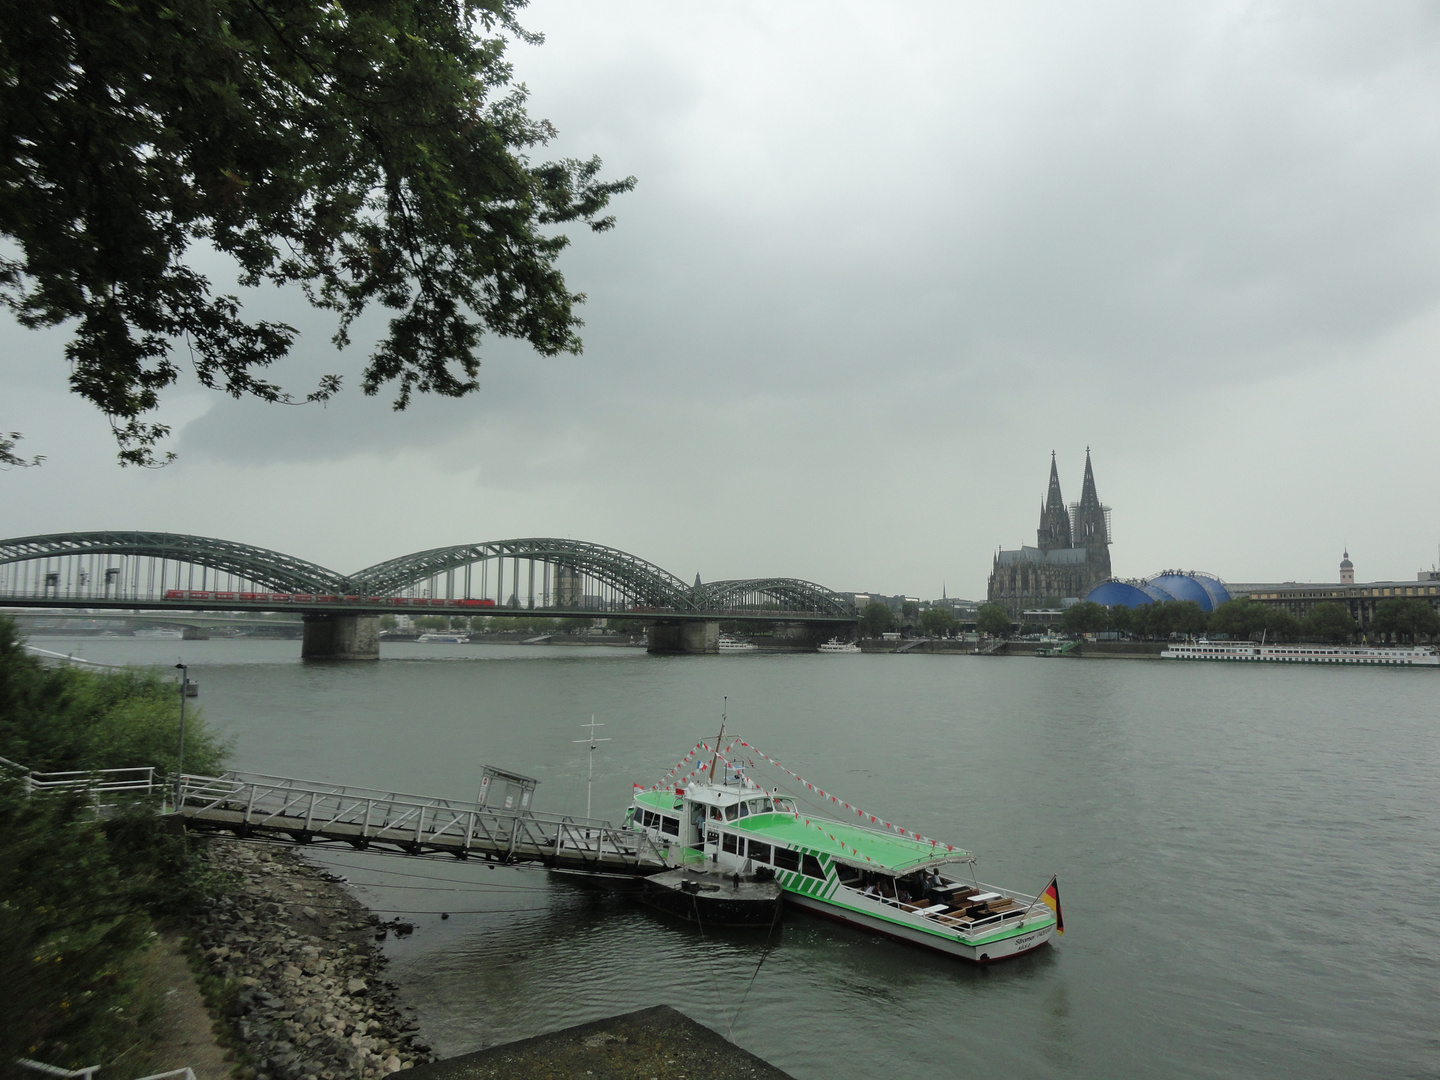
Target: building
(1298,597)
(1204,589)
(1071,553)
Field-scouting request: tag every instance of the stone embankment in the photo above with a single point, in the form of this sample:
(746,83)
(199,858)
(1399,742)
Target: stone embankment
(310,1001)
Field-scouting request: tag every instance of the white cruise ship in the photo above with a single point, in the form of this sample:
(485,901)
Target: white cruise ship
(1399,656)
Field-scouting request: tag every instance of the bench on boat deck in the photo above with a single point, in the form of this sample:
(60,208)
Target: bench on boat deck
(968,911)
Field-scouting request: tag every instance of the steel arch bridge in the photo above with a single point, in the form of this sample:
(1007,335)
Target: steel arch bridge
(172,571)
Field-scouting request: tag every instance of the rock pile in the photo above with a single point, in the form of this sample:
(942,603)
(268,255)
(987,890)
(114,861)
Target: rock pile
(312,1004)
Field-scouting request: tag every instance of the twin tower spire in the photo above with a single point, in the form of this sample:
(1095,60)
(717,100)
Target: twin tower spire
(1084,524)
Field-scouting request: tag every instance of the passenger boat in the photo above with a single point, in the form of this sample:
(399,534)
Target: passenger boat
(864,872)
(1250,651)
(732,644)
(158,633)
(444,639)
(835,645)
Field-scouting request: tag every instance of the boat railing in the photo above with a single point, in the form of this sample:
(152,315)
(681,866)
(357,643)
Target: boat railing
(1029,905)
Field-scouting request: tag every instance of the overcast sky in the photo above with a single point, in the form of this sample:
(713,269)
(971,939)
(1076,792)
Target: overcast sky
(880,261)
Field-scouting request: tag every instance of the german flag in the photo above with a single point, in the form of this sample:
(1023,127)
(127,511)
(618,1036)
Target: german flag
(1051,898)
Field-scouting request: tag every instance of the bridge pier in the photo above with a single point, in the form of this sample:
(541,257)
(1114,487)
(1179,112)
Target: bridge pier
(690,637)
(341,637)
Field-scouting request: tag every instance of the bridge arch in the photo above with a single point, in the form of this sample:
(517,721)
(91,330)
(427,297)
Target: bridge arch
(765,596)
(569,569)
(114,565)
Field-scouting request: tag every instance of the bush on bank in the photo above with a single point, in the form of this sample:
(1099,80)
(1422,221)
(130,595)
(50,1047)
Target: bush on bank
(79,891)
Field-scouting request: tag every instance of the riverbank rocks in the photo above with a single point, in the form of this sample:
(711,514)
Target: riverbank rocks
(311,1002)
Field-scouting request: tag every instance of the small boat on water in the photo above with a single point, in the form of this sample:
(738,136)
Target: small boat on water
(733,644)
(1259,652)
(436,638)
(835,645)
(862,871)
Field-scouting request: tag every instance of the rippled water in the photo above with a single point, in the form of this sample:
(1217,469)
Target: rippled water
(1247,855)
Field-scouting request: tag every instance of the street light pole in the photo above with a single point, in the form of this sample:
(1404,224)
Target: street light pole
(180,753)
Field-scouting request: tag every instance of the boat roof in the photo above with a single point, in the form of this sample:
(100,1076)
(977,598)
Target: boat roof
(846,843)
(852,845)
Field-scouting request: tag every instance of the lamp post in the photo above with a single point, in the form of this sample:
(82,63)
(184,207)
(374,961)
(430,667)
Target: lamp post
(180,753)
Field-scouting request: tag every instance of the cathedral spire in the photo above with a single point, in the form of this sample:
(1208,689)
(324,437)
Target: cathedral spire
(1088,487)
(1054,531)
(1092,523)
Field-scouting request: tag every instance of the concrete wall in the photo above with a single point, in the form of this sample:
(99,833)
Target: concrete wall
(341,637)
(685,637)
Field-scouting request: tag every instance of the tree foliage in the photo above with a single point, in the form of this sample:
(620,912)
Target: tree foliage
(373,153)
(1405,619)
(1245,619)
(877,618)
(1328,620)
(77,892)
(994,620)
(1085,618)
(938,622)
(63,719)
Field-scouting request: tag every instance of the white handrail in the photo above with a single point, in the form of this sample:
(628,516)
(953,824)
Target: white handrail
(54,1070)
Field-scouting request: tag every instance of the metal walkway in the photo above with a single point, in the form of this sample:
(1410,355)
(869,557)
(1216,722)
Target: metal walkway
(304,812)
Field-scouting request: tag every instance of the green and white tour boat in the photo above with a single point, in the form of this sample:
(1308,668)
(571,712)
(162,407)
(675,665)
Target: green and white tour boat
(867,872)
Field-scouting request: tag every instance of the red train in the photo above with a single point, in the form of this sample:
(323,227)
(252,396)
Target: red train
(318,598)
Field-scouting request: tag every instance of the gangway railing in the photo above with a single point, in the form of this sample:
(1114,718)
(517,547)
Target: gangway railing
(251,804)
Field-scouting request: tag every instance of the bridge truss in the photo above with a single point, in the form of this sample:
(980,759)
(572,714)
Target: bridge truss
(136,570)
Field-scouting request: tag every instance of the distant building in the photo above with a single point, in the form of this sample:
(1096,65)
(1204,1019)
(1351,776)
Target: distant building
(1298,597)
(1071,553)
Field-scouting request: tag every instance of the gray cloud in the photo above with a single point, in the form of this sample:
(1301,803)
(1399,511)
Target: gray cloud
(877,265)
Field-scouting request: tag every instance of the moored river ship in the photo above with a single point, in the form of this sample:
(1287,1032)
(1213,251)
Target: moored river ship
(1257,652)
(871,875)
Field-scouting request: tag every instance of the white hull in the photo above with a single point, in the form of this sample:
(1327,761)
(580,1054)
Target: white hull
(1246,652)
(1003,945)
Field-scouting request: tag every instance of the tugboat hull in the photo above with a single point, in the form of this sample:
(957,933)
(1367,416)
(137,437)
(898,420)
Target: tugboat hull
(712,899)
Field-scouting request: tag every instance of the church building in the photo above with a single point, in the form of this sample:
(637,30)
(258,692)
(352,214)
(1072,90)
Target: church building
(1071,553)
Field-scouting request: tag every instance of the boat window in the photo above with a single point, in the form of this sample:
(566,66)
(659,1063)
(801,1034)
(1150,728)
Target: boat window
(810,866)
(715,814)
(757,850)
(744,809)
(757,806)
(730,812)
(785,806)
(731,843)
(649,818)
(670,825)
(787,859)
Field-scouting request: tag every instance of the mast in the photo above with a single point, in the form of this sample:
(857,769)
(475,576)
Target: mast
(716,758)
(590,774)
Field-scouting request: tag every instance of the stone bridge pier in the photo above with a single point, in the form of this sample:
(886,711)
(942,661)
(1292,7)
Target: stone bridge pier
(692,636)
(341,637)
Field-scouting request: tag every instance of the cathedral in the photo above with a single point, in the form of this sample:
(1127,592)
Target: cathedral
(1071,553)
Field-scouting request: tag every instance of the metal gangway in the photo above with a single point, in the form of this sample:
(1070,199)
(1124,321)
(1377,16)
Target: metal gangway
(301,811)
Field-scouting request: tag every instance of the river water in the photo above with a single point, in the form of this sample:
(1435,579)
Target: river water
(1247,856)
